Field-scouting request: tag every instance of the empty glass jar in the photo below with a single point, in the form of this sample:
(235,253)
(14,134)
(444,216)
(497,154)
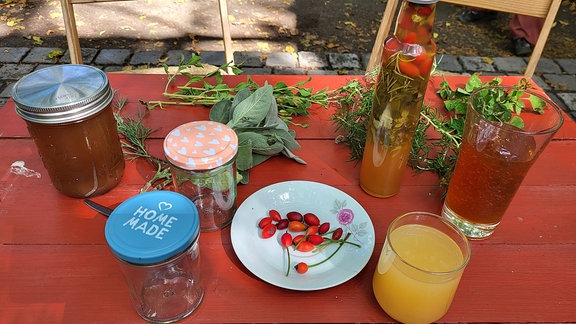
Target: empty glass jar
(155,238)
(202,156)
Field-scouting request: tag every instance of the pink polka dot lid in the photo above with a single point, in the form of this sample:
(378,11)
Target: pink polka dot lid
(201,145)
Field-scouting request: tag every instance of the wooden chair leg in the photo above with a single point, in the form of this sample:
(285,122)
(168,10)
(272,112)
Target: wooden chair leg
(229,53)
(71,32)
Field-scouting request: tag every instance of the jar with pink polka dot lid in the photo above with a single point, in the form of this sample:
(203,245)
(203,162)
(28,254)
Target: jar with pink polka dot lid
(202,157)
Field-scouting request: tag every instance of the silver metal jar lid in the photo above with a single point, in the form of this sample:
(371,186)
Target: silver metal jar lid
(61,93)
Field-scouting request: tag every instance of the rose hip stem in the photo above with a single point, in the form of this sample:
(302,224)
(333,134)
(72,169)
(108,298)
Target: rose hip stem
(333,253)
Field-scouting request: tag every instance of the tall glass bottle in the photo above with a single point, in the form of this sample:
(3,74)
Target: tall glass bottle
(406,62)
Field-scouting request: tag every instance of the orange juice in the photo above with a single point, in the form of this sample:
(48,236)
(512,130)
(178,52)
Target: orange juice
(418,272)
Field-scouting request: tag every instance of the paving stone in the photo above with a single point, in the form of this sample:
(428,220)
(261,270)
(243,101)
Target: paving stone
(173,57)
(112,57)
(12,54)
(7,91)
(15,71)
(569,100)
(281,60)
(568,65)
(40,55)
(546,65)
(289,71)
(312,60)
(216,58)
(146,57)
(476,64)
(561,82)
(541,83)
(88,56)
(344,61)
(449,63)
(250,59)
(509,64)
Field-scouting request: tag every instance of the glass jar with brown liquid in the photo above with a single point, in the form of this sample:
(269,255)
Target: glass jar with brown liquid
(68,111)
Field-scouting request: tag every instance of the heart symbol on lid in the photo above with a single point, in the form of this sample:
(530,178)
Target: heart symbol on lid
(226,138)
(218,128)
(185,140)
(214,142)
(200,127)
(210,151)
(182,151)
(198,143)
(164,205)
(176,132)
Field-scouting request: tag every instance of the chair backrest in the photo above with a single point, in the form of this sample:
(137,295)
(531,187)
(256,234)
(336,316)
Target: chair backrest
(74,42)
(546,9)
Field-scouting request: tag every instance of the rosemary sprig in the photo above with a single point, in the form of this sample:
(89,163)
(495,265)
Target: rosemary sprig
(135,134)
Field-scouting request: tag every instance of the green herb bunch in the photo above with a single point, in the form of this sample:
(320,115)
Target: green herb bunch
(292,100)
(261,132)
(439,131)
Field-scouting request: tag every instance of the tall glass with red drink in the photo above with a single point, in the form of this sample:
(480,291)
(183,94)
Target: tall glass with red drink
(494,158)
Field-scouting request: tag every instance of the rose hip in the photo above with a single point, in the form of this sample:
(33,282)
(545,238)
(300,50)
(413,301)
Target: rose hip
(294,216)
(337,233)
(301,267)
(311,230)
(305,246)
(264,221)
(286,239)
(315,239)
(282,224)
(268,231)
(311,219)
(275,215)
(298,238)
(296,226)
(325,227)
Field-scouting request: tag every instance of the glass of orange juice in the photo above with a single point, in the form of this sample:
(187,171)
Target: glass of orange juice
(420,266)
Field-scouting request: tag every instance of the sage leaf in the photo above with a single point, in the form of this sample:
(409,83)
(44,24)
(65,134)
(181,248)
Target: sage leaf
(221,111)
(252,110)
(293,156)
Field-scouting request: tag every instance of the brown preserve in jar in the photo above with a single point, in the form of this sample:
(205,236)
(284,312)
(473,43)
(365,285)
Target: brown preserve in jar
(69,115)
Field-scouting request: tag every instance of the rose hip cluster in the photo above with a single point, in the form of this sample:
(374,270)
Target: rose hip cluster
(309,232)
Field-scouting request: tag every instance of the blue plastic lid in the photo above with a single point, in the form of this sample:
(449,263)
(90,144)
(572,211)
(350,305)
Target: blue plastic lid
(152,227)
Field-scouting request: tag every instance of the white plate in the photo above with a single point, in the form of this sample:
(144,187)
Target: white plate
(267,259)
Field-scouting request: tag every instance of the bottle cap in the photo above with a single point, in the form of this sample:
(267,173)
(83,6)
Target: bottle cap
(201,145)
(152,227)
(61,93)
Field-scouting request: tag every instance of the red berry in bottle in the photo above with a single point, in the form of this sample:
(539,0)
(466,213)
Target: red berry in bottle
(264,221)
(315,239)
(311,219)
(268,231)
(294,216)
(325,227)
(282,224)
(337,234)
(275,215)
(301,267)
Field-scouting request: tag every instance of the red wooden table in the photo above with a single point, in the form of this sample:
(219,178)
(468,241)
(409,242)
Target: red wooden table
(55,265)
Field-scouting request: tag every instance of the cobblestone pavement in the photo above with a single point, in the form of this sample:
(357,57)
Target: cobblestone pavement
(556,76)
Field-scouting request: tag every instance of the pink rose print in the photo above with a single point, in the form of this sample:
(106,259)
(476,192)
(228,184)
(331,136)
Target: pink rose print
(345,216)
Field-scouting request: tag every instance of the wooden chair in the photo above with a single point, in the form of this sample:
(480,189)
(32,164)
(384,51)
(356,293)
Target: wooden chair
(74,42)
(545,9)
